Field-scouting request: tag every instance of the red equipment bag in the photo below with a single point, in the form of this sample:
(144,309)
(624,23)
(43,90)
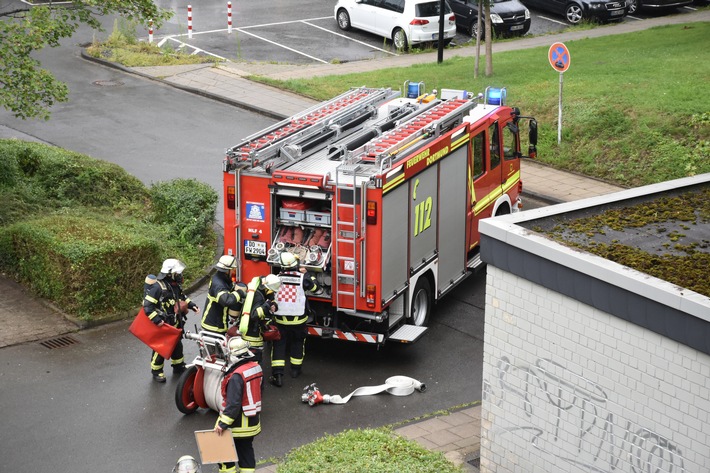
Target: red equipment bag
(161,339)
(271,333)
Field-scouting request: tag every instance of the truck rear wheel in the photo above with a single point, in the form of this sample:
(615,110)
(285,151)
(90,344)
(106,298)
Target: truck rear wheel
(421,303)
(185,394)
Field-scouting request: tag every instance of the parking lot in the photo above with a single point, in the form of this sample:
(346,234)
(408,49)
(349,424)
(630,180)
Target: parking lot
(295,32)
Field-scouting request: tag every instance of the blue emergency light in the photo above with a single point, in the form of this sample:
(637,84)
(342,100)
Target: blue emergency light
(495,96)
(413,89)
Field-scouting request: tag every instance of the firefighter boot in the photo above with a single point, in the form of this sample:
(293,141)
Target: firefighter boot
(179,369)
(158,377)
(277,379)
(295,371)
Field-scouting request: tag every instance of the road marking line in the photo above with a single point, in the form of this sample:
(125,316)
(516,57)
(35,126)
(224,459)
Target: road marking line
(351,39)
(634,18)
(552,20)
(196,50)
(282,46)
(286,22)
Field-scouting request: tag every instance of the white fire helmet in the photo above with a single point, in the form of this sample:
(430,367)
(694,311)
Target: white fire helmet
(288,260)
(172,266)
(187,464)
(272,282)
(238,348)
(226,263)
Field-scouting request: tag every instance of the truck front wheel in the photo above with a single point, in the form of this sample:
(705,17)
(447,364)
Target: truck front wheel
(421,303)
(185,392)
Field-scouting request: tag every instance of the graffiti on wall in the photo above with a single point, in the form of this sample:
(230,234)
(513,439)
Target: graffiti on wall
(563,414)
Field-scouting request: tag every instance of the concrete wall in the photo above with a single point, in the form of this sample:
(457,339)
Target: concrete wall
(589,366)
(570,388)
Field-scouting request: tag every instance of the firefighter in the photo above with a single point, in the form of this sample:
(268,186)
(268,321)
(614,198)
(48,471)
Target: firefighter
(187,464)
(224,298)
(241,405)
(291,317)
(161,297)
(258,310)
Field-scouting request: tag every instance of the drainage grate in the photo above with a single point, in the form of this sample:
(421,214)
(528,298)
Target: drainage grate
(59,342)
(107,83)
(476,462)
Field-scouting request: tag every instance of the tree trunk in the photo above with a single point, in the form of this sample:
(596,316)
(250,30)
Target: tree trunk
(478,41)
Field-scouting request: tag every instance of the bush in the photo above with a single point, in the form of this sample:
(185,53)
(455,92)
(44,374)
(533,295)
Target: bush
(36,177)
(88,264)
(75,229)
(364,451)
(187,206)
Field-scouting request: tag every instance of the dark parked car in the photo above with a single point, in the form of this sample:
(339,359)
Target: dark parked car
(635,5)
(508,17)
(575,11)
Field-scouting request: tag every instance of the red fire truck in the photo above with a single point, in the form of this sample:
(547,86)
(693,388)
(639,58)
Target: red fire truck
(380,196)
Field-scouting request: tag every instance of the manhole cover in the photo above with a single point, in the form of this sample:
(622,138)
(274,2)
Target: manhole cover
(59,342)
(107,83)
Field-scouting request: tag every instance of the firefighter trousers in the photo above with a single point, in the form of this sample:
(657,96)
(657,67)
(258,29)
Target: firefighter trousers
(293,341)
(157,361)
(245,454)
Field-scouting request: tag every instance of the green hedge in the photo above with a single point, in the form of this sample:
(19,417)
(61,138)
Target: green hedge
(84,233)
(187,206)
(364,451)
(86,264)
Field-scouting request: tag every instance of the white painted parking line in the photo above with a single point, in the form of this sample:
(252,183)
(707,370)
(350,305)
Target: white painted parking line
(285,22)
(183,45)
(634,18)
(553,20)
(348,38)
(282,46)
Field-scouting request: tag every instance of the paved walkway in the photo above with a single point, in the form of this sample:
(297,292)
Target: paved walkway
(25,318)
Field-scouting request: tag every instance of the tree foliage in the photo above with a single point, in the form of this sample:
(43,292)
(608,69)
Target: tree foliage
(28,90)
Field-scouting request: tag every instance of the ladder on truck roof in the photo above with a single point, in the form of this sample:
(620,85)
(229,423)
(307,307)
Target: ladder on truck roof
(439,117)
(311,127)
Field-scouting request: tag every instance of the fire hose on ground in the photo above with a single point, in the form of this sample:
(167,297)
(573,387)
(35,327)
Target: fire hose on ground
(395,385)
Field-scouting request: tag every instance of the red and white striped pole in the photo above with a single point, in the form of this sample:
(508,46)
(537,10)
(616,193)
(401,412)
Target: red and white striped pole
(189,21)
(150,31)
(229,17)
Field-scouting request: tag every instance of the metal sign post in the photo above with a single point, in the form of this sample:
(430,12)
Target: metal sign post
(559,58)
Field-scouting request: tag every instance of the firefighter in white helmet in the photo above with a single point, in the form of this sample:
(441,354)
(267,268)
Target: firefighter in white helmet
(241,394)
(162,295)
(224,297)
(291,317)
(187,464)
(258,310)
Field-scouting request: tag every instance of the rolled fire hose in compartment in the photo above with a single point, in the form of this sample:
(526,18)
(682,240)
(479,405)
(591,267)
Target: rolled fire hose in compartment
(395,385)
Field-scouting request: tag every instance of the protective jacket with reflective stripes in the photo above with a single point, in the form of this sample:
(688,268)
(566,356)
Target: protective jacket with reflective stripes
(159,298)
(241,394)
(255,312)
(221,298)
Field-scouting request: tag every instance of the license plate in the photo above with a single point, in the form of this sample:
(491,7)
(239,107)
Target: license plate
(257,248)
(617,12)
(516,27)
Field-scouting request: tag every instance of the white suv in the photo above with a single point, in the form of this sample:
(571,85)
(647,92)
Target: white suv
(406,22)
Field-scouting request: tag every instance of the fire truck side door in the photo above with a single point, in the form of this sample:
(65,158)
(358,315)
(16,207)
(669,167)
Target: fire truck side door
(423,215)
(452,218)
(395,261)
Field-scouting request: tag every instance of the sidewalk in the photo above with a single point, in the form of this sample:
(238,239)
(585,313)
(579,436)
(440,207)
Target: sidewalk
(25,318)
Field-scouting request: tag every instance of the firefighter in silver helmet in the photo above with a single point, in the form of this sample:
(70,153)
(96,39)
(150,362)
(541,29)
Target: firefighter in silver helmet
(241,394)
(291,317)
(187,464)
(161,297)
(224,297)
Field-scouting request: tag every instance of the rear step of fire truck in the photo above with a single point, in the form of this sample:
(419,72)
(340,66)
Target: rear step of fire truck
(433,120)
(289,138)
